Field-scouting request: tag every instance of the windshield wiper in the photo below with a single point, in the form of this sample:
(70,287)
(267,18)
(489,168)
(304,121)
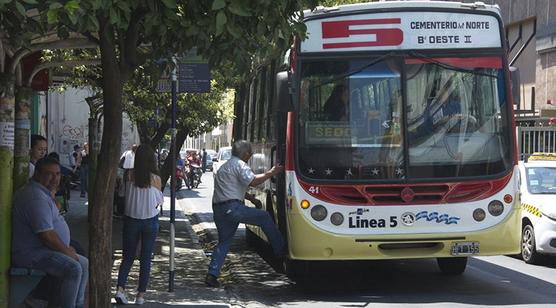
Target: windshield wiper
(343,76)
(448,66)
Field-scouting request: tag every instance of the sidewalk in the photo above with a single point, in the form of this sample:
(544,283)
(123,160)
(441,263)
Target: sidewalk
(190,261)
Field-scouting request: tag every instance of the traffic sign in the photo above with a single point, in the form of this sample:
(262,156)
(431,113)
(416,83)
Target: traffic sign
(194,77)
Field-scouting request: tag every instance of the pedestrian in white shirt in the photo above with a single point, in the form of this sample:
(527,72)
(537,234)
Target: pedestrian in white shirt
(127,161)
(143,194)
(128,158)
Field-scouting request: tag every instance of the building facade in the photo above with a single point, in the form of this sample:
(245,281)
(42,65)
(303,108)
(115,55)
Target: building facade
(64,121)
(531,32)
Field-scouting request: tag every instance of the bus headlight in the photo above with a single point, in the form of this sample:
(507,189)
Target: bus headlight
(319,212)
(495,208)
(479,214)
(337,218)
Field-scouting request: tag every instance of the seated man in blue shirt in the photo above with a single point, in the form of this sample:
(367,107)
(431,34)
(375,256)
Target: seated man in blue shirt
(41,236)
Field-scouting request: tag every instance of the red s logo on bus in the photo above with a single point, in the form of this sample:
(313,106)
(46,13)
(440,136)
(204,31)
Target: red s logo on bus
(361,33)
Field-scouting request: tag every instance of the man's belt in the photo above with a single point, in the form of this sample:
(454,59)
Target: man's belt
(226,202)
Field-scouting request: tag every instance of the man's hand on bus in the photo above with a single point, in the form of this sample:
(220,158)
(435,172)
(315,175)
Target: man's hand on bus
(260,178)
(277,169)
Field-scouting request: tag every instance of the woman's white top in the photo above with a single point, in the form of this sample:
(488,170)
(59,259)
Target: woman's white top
(140,203)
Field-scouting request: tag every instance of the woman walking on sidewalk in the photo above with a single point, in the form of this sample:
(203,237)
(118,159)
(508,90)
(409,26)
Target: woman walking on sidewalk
(143,194)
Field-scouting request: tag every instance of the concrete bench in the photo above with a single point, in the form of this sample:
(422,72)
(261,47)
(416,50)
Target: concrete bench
(22,282)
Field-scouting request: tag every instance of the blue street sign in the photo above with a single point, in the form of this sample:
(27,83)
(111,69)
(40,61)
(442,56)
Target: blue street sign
(194,77)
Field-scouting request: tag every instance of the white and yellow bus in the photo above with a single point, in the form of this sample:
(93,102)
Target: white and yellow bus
(395,124)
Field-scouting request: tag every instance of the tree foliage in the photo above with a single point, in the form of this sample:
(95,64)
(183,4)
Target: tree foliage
(17,27)
(197,113)
(128,33)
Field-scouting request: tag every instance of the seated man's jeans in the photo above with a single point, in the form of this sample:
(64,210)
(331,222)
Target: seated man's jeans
(227,217)
(73,274)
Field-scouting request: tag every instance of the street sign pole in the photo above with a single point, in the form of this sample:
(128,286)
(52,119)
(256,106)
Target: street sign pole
(173,179)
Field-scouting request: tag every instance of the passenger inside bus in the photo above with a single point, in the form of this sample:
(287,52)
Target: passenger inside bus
(336,107)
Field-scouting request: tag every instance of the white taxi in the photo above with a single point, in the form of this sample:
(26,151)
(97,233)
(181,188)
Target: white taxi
(538,203)
(224,154)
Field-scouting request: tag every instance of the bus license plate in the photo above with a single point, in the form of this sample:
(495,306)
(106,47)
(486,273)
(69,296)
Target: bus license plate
(465,248)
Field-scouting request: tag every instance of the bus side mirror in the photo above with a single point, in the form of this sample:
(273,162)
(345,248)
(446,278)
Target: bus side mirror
(514,76)
(283,96)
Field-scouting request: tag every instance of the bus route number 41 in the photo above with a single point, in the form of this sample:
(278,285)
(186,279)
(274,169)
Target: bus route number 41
(465,248)
(314,190)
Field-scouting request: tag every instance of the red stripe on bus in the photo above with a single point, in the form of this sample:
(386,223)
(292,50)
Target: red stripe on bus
(290,166)
(334,29)
(391,194)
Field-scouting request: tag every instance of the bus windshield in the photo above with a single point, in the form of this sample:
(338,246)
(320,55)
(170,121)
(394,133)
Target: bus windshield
(396,119)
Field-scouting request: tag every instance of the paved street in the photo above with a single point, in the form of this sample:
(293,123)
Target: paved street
(487,281)
(249,281)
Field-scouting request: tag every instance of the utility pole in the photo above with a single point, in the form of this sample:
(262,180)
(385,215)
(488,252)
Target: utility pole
(173,179)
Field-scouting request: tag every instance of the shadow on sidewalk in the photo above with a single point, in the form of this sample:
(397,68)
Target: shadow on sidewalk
(190,260)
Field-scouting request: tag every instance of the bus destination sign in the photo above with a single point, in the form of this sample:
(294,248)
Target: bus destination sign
(402,30)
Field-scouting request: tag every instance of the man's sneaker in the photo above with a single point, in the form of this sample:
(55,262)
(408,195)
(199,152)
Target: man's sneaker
(139,300)
(121,298)
(212,281)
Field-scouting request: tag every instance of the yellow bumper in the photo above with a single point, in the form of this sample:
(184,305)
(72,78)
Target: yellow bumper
(306,242)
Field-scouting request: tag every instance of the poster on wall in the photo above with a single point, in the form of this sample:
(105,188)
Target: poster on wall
(7,131)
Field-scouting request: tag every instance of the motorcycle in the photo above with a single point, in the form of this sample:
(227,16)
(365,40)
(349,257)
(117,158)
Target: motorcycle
(194,175)
(180,177)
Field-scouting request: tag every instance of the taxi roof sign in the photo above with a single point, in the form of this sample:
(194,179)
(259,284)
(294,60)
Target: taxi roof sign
(542,156)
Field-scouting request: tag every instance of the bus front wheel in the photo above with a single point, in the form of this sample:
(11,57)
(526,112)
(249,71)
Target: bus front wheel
(296,270)
(452,266)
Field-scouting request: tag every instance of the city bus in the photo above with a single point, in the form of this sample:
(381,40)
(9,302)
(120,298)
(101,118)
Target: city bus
(394,121)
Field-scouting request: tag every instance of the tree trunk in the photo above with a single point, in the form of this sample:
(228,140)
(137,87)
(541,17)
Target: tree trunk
(22,132)
(7,104)
(94,148)
(100,227)
(143,131)
(165,170)
(161,131)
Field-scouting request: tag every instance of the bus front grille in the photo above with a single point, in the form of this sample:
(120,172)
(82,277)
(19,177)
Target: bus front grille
(414,194)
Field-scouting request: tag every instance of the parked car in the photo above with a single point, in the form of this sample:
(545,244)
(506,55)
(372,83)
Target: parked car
(538,203)
(224,154)
(211,157)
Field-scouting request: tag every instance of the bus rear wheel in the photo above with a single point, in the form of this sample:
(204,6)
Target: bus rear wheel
(452,266)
